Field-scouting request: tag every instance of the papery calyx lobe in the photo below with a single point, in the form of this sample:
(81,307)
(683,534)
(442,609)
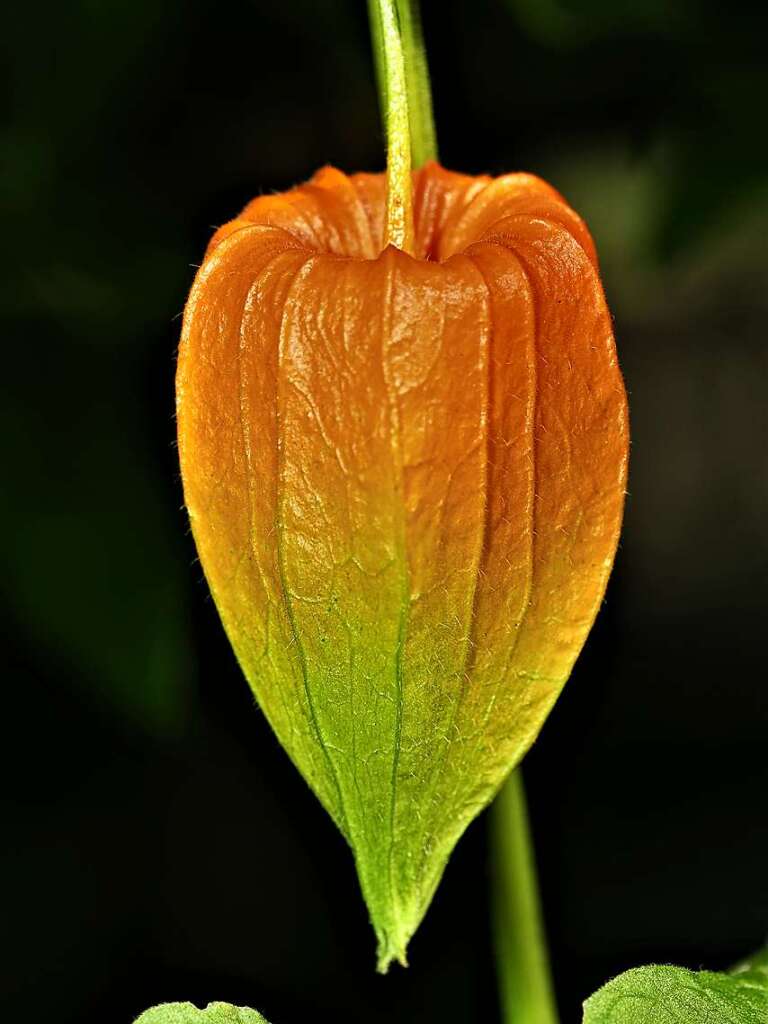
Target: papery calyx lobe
(405,478)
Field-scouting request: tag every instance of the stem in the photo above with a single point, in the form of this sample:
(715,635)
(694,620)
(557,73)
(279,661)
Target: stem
(406,103)
(423,137)
(522,963)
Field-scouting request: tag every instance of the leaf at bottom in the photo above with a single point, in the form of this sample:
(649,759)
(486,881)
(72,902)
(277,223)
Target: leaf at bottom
(214,1013)
(674,995)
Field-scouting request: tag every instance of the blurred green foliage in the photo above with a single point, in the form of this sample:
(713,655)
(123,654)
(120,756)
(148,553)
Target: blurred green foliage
(681,83)
(92,564)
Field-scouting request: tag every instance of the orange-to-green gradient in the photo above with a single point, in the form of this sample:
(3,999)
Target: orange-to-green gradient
(405,477)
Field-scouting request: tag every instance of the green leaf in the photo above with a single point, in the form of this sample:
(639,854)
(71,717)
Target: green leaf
(673,995)
(214,1013)
(756,967)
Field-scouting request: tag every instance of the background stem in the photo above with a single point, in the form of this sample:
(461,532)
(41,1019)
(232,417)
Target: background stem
(525,984)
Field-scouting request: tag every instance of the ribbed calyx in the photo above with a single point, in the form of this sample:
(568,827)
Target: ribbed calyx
(405,478)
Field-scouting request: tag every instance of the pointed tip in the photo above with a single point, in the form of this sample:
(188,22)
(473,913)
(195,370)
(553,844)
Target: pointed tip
(386,959)
(389,953)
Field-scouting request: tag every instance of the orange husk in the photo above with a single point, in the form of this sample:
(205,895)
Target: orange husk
(405,477)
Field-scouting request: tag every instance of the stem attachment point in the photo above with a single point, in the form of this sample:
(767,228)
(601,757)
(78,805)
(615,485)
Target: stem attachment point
(406,104)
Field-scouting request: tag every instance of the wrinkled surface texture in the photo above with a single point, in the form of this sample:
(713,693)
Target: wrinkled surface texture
(405,478)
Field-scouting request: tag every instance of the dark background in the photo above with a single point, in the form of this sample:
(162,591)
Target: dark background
(158,843)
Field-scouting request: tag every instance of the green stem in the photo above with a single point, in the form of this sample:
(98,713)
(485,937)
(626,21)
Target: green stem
(422,119)
(423,139)
(525,984)
(406,103)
